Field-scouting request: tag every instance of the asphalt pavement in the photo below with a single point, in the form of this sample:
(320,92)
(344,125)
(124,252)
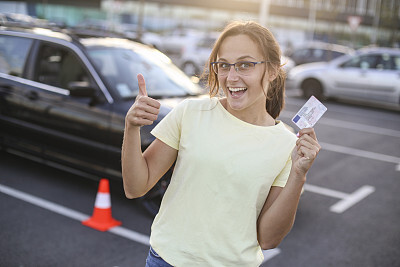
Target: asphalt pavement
(348,214)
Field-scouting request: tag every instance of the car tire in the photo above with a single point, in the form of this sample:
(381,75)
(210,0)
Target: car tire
(190,69)
(312,87)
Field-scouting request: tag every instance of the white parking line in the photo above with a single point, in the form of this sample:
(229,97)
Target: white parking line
(347,200)
(76,215)
(43,203)
(359,153)
(70,213)
(352,199)
(355,151)
(270,253)
(351,126)
(135,236)
(360,127)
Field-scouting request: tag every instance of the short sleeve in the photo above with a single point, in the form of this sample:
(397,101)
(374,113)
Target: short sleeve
(281,179)
(168,130)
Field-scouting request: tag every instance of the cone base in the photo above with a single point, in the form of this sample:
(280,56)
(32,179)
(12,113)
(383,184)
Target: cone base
(101,226)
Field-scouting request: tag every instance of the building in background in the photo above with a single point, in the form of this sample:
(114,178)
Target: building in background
(354,23)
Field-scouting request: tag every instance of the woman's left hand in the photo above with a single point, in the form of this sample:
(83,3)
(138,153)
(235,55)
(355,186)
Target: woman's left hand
(305,152)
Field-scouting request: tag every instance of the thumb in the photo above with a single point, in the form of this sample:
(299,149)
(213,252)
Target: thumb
(142,85)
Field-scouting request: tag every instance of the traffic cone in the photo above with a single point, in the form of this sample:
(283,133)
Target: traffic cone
(101,219)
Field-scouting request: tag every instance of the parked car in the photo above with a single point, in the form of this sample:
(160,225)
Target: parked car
(195,53)
(287,63)
(317,52)
(63,98)
(368,75)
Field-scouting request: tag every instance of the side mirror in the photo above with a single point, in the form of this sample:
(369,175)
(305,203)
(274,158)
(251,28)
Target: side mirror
(81,89)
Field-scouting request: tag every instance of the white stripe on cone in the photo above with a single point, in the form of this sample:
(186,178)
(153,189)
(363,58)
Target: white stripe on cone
(103,201)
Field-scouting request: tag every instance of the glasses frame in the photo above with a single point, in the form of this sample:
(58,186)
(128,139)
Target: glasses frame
(213,64)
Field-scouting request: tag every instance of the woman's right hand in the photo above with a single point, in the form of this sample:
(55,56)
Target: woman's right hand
(145,109)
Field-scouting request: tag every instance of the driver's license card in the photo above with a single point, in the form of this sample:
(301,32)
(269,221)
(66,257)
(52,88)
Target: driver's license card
(309,114)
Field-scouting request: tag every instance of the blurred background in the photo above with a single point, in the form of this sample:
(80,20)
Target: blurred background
(65,87)
(353,23)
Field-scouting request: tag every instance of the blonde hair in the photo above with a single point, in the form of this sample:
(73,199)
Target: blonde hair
(271,52)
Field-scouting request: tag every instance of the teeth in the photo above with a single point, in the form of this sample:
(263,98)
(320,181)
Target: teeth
(237,89)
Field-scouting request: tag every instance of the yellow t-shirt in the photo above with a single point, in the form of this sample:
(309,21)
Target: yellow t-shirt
(223,173)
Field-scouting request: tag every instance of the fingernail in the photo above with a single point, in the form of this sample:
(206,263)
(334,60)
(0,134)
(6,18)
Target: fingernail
(298,134)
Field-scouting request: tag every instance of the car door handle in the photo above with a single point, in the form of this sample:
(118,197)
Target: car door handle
(32,95)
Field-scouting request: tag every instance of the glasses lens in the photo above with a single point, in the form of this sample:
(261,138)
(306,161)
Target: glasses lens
(244,67)
(223,68)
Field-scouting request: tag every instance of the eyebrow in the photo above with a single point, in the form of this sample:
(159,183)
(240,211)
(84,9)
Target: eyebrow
(239,59)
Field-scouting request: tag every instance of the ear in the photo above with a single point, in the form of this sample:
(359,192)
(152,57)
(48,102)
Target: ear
(272,74)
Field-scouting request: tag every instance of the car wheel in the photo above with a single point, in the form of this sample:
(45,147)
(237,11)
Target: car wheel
(190,69)
(312,87)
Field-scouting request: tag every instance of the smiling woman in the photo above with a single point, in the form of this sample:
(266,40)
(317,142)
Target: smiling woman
(238,171)
(265,50)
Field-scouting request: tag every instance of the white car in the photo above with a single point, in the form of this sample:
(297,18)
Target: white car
(196,53)
(368,75)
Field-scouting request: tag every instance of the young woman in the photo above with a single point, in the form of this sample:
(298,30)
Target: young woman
(239,172)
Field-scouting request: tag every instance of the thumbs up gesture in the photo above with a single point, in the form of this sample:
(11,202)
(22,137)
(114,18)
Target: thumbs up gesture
(145,109)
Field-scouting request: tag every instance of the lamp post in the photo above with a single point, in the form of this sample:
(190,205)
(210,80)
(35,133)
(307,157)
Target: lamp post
(377,17)
(140,19)
(312,18)
(264,12)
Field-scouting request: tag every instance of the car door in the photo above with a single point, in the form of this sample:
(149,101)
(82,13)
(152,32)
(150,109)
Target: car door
(16,133)
(355,77)
(74,127)
(387,77)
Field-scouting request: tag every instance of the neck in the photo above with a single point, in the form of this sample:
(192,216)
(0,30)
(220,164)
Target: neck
(251,116)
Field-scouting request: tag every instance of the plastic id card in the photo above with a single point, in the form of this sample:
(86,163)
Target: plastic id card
(309,114)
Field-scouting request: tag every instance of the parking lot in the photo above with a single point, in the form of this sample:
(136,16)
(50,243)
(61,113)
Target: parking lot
(348,214)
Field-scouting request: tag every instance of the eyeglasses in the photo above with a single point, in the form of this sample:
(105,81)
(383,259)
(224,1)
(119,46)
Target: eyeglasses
(241,67)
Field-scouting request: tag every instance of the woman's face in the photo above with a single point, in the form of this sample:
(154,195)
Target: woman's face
(244,92)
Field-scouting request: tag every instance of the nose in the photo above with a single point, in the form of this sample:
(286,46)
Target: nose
(232,74)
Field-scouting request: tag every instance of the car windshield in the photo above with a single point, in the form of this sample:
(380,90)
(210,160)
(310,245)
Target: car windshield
(120,66)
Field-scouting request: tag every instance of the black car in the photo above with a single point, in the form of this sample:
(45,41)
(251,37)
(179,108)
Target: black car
(63,98)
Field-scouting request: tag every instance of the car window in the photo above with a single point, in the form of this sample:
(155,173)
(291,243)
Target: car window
(59,67)
(396,62)
(384,62)
(336,54)
(13,54)
(301,53)
(319,54)
(363,62)
(120,67)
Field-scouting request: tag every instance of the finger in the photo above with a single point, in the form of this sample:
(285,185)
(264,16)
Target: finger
(308,141)
(308,150)
(145,115)
(308,131)
(142,121)
(142,85)
(147,104)
(150,102)
(307,153)
(151,110)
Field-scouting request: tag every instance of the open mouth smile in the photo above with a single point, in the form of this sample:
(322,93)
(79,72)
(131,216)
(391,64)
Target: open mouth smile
(237,91)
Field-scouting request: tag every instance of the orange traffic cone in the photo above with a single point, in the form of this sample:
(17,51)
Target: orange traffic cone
(101,219)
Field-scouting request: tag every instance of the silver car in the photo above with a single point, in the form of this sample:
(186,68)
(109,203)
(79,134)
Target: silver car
(368,75)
